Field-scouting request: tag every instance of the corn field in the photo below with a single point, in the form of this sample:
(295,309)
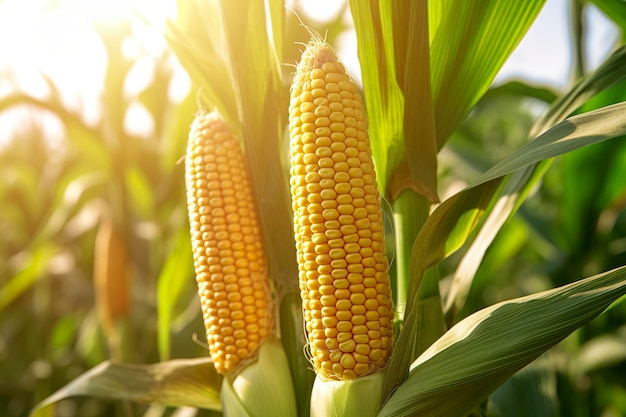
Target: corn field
(298,234)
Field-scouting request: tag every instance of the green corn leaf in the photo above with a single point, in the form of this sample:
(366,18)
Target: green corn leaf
(34,268)
(180,382)
(450,225)
(481,352)
(276,10)
(524,89)
(597,190)
(177,131)
(383,97)
(70,200)
(84,138)
(573,133)
(198,42)
(579,211)
(412,55)
(262,102)
(608,75)
(470,42)
(515,189)
(176,275)
(433,245)
(246,35)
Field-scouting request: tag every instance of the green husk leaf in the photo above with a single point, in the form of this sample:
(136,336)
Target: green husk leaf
(262,388)
(179,382)
(354,397)
(477,355)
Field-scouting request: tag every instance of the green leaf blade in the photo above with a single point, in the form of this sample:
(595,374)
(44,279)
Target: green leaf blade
(176,275)
(470,44)
(197,41)
(573,133)
(180,382)
(477,355)
(383,97)
(419,118)
(263,110)
(450,225)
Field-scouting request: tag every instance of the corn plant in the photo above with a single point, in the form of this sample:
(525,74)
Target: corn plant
(349,335)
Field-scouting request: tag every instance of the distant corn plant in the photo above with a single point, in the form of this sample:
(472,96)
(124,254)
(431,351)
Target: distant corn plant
(380,343)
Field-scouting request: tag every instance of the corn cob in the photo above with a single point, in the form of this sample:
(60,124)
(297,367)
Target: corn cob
(338,221)
(226,240)
(111,279)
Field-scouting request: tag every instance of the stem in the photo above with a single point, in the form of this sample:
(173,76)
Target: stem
(410,211)
(430,318)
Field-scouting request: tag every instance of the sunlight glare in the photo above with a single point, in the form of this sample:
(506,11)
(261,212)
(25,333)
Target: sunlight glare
(111,12)
(322,10)
(56,39)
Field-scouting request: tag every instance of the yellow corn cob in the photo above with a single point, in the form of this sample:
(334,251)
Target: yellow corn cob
(338,221)
(226,240)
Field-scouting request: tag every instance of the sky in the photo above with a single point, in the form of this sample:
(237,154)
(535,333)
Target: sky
(544,56)
(53,37)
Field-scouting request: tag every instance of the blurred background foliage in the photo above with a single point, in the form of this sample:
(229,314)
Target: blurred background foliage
(77,183)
